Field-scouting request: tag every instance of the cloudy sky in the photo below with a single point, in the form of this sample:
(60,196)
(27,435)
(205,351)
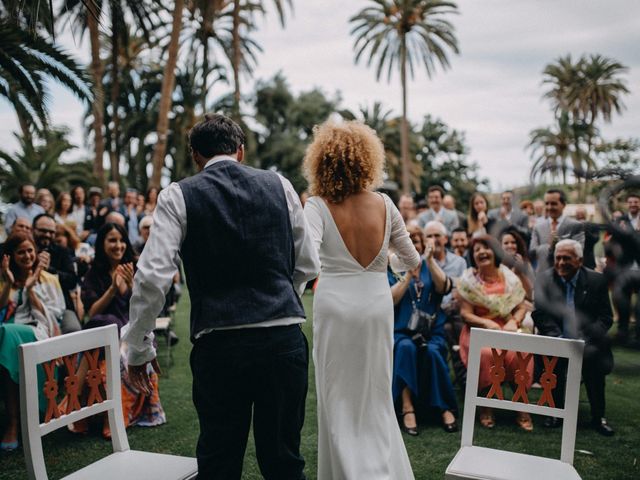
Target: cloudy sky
(492,92)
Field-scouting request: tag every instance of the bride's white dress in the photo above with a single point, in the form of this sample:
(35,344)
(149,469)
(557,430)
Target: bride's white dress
(358,435)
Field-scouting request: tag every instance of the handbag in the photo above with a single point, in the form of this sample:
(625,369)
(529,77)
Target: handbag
(420,322)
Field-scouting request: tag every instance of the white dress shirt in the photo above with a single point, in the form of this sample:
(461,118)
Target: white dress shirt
(160,259)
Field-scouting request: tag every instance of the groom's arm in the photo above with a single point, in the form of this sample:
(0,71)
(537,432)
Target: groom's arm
(307,263)
(156,268)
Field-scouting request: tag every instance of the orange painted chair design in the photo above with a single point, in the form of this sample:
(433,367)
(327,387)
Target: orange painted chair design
(104,395)
(473,462)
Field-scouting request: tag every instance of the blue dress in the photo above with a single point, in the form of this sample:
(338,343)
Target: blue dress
(424,370)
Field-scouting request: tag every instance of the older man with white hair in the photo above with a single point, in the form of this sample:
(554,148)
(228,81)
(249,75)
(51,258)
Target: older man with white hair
(572,301)
(453,266)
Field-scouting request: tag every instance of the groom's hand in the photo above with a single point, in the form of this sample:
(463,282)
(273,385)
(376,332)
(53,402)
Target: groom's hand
(140,378)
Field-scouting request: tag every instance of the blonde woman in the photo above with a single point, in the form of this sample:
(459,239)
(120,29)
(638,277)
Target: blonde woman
(353,227)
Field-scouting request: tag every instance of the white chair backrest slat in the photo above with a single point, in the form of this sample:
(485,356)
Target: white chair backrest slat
(556,347)
(33,354)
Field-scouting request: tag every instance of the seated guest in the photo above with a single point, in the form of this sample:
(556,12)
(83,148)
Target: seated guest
(96,214)
(436,210)
(145,228)
(572,301)
(150,201)
(557,226)
(106,291)
(63,208)
(117,218)
(478,221)
(449,202)
(491,296)
(31,304)
(45,199)
(24,208)
(58,261)
(83,256)
(517,258)
(79,211)
(421,353)
(20,225)
(509,216)
(407,208)
(459,244)
(453,266)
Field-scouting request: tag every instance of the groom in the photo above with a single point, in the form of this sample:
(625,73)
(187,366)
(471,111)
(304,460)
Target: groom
(243,239)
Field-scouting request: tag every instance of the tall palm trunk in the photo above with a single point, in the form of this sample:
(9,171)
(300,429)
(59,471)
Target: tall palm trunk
(404,132)
(98,94)
(237,58)
(114,151)
(168,81)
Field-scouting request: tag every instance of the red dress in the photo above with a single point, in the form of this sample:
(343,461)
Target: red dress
(486,358)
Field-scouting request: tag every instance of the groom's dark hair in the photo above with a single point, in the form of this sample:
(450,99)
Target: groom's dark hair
(216,135)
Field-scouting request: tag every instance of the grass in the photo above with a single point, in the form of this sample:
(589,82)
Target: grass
(597,458)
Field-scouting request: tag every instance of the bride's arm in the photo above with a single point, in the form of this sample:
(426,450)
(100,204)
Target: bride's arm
(406,256)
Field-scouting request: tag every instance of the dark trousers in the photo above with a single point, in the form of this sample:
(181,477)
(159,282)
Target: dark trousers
(624,286)
(237,373)
(593,377)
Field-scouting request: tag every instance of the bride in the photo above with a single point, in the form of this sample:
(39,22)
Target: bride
(352,227)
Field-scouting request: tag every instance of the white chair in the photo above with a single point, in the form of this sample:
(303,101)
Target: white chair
(473,462)
(123,463)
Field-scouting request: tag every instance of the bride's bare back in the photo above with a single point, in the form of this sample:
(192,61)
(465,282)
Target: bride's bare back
(361,221)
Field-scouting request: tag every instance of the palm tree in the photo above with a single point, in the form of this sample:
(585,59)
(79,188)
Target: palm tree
(27,60)
(552,149)
(87,15)
(168,82)
(401,34)
(585,89)
(39,163)
(243,49)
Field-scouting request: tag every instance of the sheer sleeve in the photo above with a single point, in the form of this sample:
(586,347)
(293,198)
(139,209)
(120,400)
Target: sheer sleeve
(406,256)
(315,224)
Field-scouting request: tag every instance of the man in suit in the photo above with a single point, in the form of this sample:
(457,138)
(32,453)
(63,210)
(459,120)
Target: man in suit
(246,251)
(553,228)
(437,211)
(572,301)
(507,215)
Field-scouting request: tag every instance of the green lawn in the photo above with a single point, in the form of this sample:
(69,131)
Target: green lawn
(597,458)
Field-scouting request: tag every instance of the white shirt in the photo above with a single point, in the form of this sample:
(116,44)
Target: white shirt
(160,259)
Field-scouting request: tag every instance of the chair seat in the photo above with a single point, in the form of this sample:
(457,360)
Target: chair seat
(163,323)
(486,463)
(137,465)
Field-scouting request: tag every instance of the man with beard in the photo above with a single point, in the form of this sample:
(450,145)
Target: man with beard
(25,208)
(57,261)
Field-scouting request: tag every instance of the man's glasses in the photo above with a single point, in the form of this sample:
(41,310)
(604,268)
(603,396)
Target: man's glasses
(45,231)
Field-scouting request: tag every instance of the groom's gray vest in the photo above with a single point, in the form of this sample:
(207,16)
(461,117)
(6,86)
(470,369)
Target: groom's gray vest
(238,252)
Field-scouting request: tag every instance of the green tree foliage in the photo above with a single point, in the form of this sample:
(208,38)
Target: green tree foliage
(285,125)
(581,93)
(38,162)
(27,61)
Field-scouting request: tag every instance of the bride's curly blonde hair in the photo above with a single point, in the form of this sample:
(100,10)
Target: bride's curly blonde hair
(343,159)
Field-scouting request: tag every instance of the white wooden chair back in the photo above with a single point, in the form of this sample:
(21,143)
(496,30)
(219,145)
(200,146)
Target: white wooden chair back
(36,353)
(536,344)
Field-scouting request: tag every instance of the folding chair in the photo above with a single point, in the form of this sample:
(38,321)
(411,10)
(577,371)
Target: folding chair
(473,462)
(123,463)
